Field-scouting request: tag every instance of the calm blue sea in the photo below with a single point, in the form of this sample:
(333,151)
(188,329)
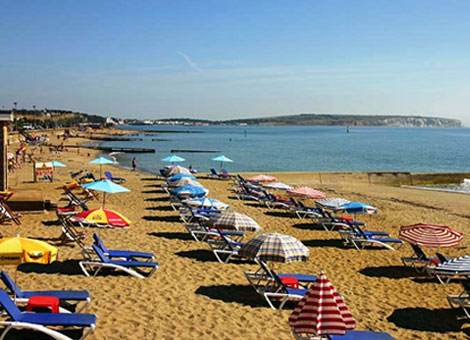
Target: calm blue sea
(294,148)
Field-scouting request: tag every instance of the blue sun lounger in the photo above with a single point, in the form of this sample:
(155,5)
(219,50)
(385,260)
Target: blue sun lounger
(40,321)
(110,176)
(362,335)
(93,265)
(127,254)
(359,239)
(76,296)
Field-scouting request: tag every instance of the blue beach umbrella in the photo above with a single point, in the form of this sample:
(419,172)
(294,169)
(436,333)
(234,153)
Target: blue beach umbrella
(57,164)
(106,186)
(177,177)
(357,208)
(222,159)
(101,161)
(173,159)
(190,190)
(207,203)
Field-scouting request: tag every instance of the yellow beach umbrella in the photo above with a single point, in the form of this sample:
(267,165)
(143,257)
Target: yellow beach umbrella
(16,250)
(103,217)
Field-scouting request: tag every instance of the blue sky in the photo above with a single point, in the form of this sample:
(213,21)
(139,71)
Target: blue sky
(231,59)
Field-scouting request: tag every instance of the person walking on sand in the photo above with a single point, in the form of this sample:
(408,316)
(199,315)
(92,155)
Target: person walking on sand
(134,164)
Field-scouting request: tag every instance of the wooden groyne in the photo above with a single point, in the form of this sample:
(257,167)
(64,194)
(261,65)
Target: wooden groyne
(193,151)
(112,148)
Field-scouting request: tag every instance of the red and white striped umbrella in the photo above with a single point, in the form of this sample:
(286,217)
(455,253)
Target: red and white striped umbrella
(262,179)
(321,311)
(306,192)
(430,235)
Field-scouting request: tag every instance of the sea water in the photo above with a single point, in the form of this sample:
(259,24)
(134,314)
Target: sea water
(304,148)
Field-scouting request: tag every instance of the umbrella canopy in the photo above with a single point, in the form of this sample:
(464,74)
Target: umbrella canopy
(277,186)
(179,170)
(222,158)
(321,311)
(273,247)
(184,181)
(106,185)
(101,160)
(207,203)
(331,203)
(16,250)
(173,159)
(356,208)
(58,164)
(262,179)
(306,192)
(236,221)
(180,176)
(191,190)
(103,217)
(430,235)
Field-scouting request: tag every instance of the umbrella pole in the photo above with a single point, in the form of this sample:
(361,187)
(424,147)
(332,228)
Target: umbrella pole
(101,166)
(104,198)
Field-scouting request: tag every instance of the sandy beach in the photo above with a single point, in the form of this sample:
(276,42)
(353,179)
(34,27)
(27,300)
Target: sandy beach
(192,296)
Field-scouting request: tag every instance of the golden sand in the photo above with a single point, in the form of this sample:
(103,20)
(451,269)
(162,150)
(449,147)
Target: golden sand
(192,296)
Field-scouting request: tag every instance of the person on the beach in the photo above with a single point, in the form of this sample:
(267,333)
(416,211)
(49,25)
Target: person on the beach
(134,164)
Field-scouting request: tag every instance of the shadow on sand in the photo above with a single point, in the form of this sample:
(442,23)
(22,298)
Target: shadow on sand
(153,191)
(171,219)
(67,267)
(157,199)
(26,334)
(308,226)
(279,214)
(241,294)
(165,208)
(172,236)
(322,243)
(391,272)
(440,320)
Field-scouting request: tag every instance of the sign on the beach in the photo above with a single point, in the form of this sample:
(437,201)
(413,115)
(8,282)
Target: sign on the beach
(43,171)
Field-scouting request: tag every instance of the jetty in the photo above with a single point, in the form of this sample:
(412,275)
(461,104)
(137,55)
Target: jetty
(193,151)
(112,148)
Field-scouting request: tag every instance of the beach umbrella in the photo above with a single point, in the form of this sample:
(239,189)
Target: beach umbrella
(101,160)
(207,203)
(183,182)
(179,170)
(430,235)
(180,176)
(16,250)
(236,221)
(190,190)
(331,203)
(58,164)
(273,247)
(321,311)
(106,186)
(356,208)
(277,186)
(222,159)
(173,159)
(306,192)
(102,217)
(262,179)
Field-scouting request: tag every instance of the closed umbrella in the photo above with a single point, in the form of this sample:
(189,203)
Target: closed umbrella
(306,192)
(106,186)
(207,203)
(321,311)
(274,247)
(430,235)
(222,159)
(101,161)
(262,179)
(236,221)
